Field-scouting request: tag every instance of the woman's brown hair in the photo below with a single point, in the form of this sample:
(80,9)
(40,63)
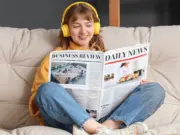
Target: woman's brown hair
(96,43)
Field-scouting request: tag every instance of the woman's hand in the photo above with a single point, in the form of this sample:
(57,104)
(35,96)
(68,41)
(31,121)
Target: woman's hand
(144,81)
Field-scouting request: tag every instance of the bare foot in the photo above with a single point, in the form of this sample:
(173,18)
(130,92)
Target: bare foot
(91,126)
(112,124)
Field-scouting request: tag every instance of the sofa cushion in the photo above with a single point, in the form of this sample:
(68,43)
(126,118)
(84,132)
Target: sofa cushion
(34,130)
(21,51)
(169,129)
(164,64)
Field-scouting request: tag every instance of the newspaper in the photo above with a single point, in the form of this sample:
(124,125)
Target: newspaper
(99,81)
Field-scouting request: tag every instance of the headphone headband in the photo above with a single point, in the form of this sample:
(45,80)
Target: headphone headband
(76,3)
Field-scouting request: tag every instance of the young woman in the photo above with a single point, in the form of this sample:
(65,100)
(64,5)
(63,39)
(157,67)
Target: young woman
(54,107)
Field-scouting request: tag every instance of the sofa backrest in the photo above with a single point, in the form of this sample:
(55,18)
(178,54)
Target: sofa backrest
(21,51)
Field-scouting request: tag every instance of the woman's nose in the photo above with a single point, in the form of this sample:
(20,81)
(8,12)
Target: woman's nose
(82,30)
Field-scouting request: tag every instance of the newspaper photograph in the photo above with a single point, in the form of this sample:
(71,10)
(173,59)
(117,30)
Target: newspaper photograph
(68,73)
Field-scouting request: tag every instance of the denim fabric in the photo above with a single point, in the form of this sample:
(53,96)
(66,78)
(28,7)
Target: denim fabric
(140,104)
(60,110)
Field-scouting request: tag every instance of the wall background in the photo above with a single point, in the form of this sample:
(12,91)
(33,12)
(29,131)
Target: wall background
(32,13)
(47,13)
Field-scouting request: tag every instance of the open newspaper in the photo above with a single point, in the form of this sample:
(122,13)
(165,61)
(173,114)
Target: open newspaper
(99,81)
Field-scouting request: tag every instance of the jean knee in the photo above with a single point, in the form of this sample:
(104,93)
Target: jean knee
(157,92)
(47,91)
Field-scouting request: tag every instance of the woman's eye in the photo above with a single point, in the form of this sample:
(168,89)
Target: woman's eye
(89,25)
(76,26)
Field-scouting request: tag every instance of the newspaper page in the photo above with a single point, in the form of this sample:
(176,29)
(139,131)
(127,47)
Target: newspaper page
(80,73)
(123,70)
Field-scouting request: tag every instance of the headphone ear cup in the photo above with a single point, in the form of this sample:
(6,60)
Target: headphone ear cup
(65,30)
(97,27)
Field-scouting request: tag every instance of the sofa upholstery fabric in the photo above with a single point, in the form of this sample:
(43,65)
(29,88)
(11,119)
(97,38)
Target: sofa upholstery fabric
(21,51)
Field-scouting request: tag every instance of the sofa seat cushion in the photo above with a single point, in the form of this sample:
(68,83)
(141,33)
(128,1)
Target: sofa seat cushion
(34,130)
(169,129)
(168,113)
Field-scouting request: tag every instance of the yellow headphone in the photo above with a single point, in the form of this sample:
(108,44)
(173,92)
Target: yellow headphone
(65,28)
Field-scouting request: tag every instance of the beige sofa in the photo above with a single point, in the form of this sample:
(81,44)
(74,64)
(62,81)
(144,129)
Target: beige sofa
(21,51)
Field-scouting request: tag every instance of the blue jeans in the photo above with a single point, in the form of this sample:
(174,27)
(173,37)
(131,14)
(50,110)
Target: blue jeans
(60,110)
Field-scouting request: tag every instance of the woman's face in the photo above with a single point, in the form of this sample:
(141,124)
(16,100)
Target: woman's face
(81,30)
